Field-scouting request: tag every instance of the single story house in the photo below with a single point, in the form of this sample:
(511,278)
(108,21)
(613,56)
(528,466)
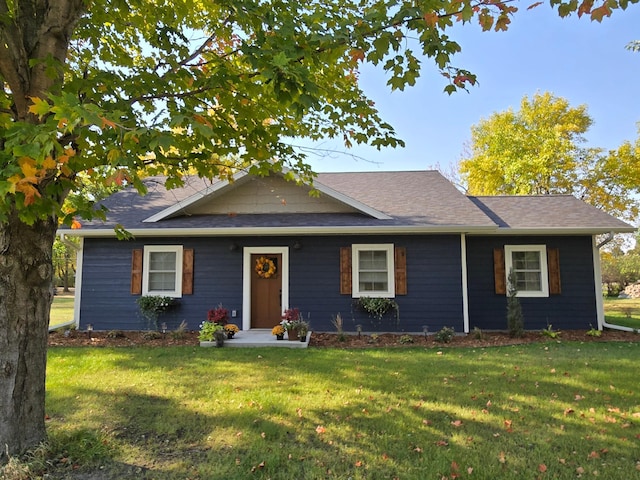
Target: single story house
(258,245)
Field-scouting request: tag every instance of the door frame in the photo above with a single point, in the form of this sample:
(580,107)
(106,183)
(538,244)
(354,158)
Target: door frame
(246,279)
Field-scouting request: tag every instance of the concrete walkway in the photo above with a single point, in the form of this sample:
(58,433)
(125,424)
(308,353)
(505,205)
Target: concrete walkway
(263,338)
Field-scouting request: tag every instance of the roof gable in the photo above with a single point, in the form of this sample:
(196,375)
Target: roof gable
(247,194)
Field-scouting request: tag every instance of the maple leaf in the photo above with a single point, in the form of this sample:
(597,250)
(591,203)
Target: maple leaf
(320,429)
(457,423)
(49,163)
(356,55)
(29,192)
(28,167)
(40,107)
(107,123)
(431,18)
(502,457)
(599,13)
(75,224)
(542,468)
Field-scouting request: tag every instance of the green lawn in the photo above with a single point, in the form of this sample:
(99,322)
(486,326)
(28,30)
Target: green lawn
(623,311)
(61,310)
(549,410)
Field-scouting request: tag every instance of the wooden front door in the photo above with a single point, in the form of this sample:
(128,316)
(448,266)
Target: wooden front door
(266,290)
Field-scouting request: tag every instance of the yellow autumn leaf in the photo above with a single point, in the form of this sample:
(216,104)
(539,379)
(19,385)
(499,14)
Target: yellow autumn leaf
(49,163)
(28,166)
(40,107)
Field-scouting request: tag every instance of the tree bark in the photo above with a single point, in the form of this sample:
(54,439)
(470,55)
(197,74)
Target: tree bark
(26,293)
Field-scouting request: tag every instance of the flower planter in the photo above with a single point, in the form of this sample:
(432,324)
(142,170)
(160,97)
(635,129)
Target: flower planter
(292,335)
(280,337)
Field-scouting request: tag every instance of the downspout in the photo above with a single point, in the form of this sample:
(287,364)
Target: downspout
(597,273)
(465,287)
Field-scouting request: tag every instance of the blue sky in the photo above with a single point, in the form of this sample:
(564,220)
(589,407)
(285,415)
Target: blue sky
(585,62)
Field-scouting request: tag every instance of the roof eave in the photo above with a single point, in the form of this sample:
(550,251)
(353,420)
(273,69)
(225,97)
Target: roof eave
(279,231)
(562,230)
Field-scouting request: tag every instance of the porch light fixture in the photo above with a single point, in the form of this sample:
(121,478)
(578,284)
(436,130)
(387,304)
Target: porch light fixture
(233,247)
(297,245)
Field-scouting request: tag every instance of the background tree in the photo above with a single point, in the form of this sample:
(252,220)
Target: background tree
(539,150)
(168,87)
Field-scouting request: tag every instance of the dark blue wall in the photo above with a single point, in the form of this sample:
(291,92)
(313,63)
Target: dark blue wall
(574,308)
(433,278)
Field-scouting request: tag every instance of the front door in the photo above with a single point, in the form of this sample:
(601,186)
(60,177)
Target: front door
(266,289)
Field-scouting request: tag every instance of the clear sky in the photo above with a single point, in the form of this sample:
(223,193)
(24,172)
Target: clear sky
(585,62)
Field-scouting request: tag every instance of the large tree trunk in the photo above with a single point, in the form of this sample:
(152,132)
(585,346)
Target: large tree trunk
(25,299)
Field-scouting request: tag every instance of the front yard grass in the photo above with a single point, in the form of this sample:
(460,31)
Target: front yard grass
(61,310)
(623,311)
(549,410)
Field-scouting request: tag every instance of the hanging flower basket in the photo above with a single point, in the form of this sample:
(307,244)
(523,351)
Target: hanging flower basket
(265,267)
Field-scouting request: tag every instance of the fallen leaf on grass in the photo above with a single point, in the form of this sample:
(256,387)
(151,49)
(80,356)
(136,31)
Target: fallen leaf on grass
(442,443)
(320,429)
(457,423)
(542,468)
(502,457)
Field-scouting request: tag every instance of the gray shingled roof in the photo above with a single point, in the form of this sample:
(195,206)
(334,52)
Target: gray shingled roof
(417,201)
(546,212)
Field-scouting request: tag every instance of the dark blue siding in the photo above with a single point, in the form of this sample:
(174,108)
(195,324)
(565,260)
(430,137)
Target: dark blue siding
(574,308)
(433,278)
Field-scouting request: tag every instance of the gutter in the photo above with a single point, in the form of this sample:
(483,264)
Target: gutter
(602,323)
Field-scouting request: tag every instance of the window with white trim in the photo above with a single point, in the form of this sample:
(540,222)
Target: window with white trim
(162,270)
(372,270)
(529,265)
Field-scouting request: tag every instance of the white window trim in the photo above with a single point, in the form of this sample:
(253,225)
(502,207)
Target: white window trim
(544,280)
(355,277)
(148,249)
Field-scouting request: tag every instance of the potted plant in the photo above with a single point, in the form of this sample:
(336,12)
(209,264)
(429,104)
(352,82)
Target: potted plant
(278,331)
(211,332)
(219,315)
(231,329)
(290,322)
(303,329)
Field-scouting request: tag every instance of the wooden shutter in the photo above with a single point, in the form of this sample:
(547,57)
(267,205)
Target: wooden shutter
(400,261)
(345,270)
(553,265)
(499,276)
(187,271)
(136,272)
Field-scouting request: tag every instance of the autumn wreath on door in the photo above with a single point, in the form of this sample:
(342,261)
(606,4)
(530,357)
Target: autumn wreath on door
(265,267)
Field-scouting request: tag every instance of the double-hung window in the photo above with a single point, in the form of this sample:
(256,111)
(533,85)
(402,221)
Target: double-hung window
(162,270)
(528,263)
(373,270)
